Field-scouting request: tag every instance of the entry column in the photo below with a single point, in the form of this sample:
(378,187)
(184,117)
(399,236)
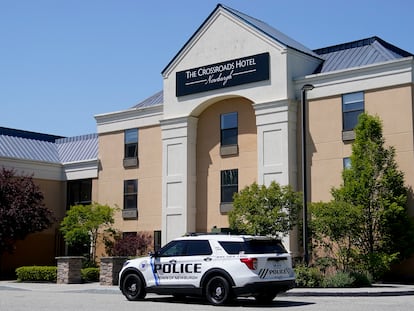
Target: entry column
(276,147)
(178,177)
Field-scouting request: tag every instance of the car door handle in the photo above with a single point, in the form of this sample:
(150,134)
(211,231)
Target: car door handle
(207,259)
(173,261)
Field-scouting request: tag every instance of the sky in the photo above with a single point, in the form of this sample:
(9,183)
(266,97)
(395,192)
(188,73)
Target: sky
(64,61)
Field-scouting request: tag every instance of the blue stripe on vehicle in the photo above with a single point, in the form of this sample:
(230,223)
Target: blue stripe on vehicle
(154,272)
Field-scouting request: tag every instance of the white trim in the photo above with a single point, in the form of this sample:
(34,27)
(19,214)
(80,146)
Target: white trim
(272,120)
(374,76)
(53,171)
(40,170)
(178,176)
(81,170)
(131,118)
(221,12)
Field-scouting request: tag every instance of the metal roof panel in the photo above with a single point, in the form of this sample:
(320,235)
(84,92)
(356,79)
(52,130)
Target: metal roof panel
(154,100)
(28,149)
(78,148)
(358,53)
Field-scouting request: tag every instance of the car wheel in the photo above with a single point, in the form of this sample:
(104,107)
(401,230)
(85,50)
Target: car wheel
(218,290)
(133,288)
(265,297)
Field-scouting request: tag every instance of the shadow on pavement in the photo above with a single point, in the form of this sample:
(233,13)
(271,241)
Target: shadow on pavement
(235,303)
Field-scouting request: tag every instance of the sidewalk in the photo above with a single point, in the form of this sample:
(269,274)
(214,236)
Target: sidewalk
(375,290)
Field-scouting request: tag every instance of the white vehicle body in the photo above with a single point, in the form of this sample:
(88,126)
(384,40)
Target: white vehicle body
(215,266)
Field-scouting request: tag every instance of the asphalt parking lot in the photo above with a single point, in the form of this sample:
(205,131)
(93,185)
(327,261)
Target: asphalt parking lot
(47,297)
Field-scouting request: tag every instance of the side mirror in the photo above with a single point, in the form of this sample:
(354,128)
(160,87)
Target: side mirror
(154,254)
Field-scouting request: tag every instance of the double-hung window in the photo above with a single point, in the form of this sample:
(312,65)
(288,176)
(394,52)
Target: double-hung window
(131,147)
(352,107)
(130,210)
(229,185)
(229,129)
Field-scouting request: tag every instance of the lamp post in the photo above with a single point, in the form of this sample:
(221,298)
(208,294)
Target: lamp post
(305,89)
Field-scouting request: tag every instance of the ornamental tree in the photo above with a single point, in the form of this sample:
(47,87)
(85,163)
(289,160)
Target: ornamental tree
(374,186)
(83,223)
(265,210)
(22,210)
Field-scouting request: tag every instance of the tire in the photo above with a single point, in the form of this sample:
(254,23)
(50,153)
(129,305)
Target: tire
(265,298)
(218,290)
(133,287)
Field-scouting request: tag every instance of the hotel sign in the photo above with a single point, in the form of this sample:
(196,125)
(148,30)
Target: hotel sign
(216,76)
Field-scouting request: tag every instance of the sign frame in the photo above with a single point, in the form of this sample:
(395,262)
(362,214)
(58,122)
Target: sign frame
(230,73)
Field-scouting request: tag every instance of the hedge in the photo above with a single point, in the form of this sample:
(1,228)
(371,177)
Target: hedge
(90,274)
(36,274)
(49,274)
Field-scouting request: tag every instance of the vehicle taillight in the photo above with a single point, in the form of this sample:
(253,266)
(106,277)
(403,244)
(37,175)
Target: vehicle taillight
(251,263)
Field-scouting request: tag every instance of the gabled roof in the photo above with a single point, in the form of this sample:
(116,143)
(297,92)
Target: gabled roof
(261,26)
(270,31)
(358,53)
(63,150)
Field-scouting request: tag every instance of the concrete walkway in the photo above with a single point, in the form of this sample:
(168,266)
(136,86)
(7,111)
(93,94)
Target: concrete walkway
(375,290)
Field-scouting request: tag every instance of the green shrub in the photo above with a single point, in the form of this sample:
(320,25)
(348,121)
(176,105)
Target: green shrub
(36,274)
(339,279)
(308,276)
(90,274)
(361,279)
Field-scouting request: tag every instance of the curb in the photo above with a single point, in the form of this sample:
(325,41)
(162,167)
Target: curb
(377,290)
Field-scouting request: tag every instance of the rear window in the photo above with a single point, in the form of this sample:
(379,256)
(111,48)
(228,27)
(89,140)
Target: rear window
(253,247)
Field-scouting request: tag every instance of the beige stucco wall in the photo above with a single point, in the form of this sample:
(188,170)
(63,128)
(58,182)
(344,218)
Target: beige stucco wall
(210,163)
(40,248)
(112,175)
(326,149)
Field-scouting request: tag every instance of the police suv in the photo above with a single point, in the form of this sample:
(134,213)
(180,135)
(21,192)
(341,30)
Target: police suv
(217,267)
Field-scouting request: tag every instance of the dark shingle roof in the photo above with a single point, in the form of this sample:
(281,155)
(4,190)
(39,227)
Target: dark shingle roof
(358,53)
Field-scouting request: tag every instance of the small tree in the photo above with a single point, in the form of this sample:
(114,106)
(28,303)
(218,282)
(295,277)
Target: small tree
(129,245)
(83,223)
(375,191)
(335,227)
(265,210)
(22,210)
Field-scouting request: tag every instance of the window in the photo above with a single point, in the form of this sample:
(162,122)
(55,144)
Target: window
(229,129)
(157,240)
(253,247)
(352,107)
(131,194)
(229,185)
(79,192)
(186,248)
(131,143)
(347,163)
